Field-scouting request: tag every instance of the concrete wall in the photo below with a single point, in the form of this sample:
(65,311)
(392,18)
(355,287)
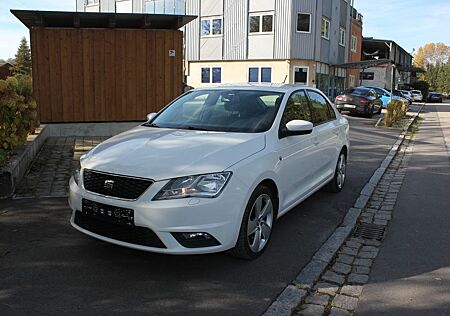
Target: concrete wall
(237,71)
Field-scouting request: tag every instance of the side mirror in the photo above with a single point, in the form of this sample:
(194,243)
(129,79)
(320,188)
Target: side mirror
(151,116)
(297,127)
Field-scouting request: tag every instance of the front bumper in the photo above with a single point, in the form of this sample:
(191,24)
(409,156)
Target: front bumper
(219,217)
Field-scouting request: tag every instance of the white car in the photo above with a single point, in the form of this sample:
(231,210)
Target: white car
(417,95)
(212,171)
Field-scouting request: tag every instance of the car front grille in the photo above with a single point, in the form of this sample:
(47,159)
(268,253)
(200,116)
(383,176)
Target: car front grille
(131,234)
(118,186)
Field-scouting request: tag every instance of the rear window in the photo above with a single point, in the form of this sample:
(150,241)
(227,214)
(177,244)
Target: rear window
(357,91)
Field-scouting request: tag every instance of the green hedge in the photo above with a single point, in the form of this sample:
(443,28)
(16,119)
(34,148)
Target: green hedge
(18,114)
(396,109)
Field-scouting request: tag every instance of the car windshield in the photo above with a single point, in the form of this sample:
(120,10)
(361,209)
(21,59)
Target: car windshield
(357,91)
(243,111)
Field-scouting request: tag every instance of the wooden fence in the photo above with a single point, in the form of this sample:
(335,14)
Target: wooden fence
(94,75)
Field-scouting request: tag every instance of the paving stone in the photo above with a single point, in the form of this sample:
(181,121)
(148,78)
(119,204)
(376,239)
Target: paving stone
(342,268)
(354,278)
(383,217)
(326,288)
(372,242)
(387,207)
(317,299)
(353,244)
(311,310)
(352,290)
(363,262)
(349,251)
(286,302)
(368,254)
(361,270)
(369,248)
(338,312)
(380,222)
(345,258)
(333,277)
(345,302)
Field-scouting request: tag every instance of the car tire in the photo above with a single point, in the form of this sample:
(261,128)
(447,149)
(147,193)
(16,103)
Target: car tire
(369,112)
(338,181)
(257,224)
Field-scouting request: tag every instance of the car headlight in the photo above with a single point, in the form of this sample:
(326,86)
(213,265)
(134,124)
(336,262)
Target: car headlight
(205,185)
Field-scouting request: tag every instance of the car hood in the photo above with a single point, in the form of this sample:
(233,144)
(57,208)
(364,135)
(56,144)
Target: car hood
(159,153)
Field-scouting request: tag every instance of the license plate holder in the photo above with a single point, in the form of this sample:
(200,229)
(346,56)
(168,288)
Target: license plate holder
(349,106)
(108,213)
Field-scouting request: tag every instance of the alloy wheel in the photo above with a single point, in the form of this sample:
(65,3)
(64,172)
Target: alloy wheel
(341,169)
(260,221)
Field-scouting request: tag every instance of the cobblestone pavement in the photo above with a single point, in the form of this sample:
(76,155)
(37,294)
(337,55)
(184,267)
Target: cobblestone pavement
(340,286)
(50,171)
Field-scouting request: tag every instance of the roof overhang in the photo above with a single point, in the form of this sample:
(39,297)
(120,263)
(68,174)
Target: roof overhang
(366,64)
(64,19)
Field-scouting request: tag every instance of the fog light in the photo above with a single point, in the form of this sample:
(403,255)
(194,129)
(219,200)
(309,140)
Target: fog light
(195,240)
(191,236)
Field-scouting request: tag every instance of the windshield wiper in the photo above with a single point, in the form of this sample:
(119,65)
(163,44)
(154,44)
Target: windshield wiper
(193,128)
(150,125)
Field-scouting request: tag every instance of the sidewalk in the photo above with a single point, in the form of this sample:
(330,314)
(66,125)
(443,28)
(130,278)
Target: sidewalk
(411,275)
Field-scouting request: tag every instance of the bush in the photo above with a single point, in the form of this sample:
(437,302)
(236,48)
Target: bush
(396,109)
(18,114)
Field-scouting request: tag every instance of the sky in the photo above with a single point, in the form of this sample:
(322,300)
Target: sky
(410,23)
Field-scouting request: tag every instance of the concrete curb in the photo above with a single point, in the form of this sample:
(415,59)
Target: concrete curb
(295,292)
(13,172)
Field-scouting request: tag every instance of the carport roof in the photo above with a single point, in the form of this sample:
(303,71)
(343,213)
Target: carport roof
(58,19)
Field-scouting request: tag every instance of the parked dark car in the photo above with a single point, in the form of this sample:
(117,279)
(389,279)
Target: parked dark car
(359,100)
(434,97)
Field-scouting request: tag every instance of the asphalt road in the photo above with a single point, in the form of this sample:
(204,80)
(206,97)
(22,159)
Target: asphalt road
(46,267)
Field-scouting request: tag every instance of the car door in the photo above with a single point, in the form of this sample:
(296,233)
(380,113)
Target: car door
(296,166)
(325,136)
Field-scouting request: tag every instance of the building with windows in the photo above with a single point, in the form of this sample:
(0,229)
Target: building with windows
(385,64)
(355,51)
(235,41)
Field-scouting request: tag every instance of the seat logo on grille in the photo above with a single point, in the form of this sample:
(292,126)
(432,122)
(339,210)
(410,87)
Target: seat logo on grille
(109,184)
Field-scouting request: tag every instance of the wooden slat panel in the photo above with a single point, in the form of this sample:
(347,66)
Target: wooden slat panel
(77,70)
(66,75)
(88,76)
(92,75)
(110,84)
(151,73)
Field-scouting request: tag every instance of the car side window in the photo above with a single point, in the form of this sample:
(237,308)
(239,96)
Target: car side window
(321,110)
(296,109)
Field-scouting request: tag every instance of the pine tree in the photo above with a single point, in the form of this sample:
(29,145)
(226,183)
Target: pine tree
(22,65)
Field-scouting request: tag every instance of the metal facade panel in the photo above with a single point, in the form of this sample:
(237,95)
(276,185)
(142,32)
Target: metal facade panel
(235,29)
(192,31)
(334,31)
(283,25)
(303,43)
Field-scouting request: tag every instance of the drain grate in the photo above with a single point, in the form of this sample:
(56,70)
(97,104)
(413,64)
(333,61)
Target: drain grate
(370,231)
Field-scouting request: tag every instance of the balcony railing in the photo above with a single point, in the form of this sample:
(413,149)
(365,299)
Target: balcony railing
(177,7)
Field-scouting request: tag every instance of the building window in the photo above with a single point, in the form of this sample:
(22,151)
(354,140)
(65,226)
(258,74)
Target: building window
(261,23)
(89,2)
(211,75)
(325,28)
(211,27)
(263,74)
(353,43)
(266,74)
(351,81)
(342,36)
(304,22)
(301,75)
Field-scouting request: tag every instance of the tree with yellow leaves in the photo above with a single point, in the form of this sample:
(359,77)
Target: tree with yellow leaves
(432,54)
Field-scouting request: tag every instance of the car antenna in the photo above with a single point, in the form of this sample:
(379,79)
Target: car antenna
(284,81)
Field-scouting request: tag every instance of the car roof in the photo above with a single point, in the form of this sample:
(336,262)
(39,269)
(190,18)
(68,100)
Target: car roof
(273,87)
